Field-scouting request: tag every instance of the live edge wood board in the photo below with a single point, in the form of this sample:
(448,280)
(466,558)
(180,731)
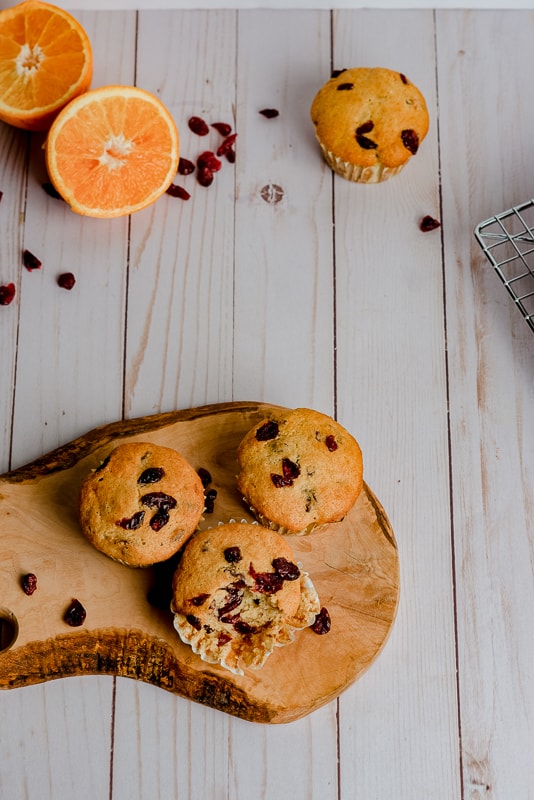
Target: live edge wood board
(353,564)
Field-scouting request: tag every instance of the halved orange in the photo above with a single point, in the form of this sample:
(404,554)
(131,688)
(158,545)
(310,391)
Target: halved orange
(112,151)
(45,61)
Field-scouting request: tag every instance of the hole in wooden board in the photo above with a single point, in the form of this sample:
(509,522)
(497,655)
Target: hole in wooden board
(9,629)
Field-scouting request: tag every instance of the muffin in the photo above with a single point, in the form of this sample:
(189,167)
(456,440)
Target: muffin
(299,470)
(141,504)
(238,593)
(369,122)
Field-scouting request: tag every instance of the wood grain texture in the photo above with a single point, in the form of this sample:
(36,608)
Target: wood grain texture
(353,565)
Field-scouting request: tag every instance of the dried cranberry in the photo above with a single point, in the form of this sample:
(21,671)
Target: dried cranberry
(226,144)
(198,126)
(345,87)
(66,280)
(29,583)
(269,430)
(178,191)
(160,518)
(266,582)
(233,555)
(151,475)
(233,599)
(403,78)
(322,622)
(223,638)
(194,621)
(230,156)
(204,476)
(30,261)
(51,190)
(243,627)
(185,167)
(1,195)
(280,480)
(428,223)
(337,72)
(199,600)
(290,469)
(410,140)
(331,443)
(286,569)
(222,127)
(205,176)
(209,160)
(159,500)
(269,113)
(7,293)
(209,500)
(366,127)
(131,523)
(75,614)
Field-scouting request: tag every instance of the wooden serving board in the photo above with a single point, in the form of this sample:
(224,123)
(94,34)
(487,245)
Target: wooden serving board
(353,564)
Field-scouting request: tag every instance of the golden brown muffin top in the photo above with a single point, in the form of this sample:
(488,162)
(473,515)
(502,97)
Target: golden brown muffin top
(370,115)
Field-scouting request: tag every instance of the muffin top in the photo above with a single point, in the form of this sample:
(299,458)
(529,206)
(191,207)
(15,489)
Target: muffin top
(370,115)
(141,504)
(299,469)
(238,593)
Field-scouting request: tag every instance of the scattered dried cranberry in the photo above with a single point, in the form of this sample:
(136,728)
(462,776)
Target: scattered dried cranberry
(151,475)
(266,582)
(199,600)
(232,555)
(223,638)
(410,140)
(269,430)
(366,127)
(209,160)
(428,223)
(345,87)
(233,599)
(185,167)
(51,191)
(205,176)
(222,127)
(209,500)
(362,139)
(337,72)
(160,518)
(269,113)
(331,443)
(194,621)
(286,569)
(2,194)
(230,156)
(322,622)
(243,627)
(204,476)
(290,469)
(198,126)
(29,583)
(131,523)
(66,280)
(158,500)
(226,144)
(280,480)
(30,261)
(178,191)
(403,78)
(7,293)
(75,614)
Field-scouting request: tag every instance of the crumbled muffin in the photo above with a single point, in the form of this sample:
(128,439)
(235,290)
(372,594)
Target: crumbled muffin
(298,470)
(141,504)
(238,593)
(369,122)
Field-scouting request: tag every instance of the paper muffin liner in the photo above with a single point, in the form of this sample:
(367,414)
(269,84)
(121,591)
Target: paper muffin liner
(351,172)
(265,522)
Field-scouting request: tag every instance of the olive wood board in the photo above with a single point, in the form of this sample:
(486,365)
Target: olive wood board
(353,565)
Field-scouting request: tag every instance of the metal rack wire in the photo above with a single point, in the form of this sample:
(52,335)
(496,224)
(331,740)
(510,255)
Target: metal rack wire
(508,242)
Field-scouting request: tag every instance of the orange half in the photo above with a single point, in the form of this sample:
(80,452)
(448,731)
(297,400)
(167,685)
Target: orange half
(112,151)
(45,61)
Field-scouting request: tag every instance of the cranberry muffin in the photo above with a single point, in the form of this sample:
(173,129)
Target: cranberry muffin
(299,470)
(369,122)
(141,504)
(238,593)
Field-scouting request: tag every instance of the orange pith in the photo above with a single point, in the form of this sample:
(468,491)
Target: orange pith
(112,151)
(45,61)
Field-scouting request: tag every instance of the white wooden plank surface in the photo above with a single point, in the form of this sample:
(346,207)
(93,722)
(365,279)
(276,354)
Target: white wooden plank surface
(332,298)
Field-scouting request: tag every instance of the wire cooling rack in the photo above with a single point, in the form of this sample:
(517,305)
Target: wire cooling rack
(508,242)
